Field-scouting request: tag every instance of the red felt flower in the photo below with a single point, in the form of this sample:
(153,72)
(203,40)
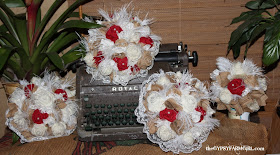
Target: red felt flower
(236,86)
(202,111)
(38,117)
(112,33)
(168,114)
(28,89)
(98,58)
(147,41)
(135,69)
(121,63)
(63,92)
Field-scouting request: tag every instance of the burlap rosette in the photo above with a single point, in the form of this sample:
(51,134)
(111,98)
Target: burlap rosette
(237,85)
(42,109)
(175,111)
(122,50)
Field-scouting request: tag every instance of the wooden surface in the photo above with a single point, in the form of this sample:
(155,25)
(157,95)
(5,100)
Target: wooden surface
(203,25)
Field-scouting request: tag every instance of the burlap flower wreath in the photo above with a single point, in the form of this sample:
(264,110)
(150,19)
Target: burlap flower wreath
(175,111)
(42,109)
(238,85)
(122,50)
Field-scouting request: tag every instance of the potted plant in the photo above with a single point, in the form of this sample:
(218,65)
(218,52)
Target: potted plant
(258,21)
(27,49)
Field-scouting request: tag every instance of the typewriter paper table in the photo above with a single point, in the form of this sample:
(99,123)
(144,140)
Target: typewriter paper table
(230,132)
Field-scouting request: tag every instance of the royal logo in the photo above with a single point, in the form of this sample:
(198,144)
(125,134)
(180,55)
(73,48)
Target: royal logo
(127,88)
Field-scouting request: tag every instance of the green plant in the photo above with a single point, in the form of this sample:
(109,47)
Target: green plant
(27,49)
(258,22)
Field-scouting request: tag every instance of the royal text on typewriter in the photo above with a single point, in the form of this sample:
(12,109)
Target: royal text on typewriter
(107,112)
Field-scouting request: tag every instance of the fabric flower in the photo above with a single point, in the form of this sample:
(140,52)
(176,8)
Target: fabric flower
(146,41)
(236,86)
(98,58)
(155,102)
(20,120)
(237,69)
(188,102)
(133,53)
(121,63)
(63,92)
(225,96)
(43,97)
(165,133)
(163,80)
(168,114)
(112,33)
(135,69)
(188,138)
(89,59)
(28,89)
(39,130)
(58,129)
(38,117)
(202,111)
(106,67)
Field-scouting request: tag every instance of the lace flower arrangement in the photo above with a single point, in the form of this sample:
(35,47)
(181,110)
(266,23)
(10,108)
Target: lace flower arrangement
(175,111)
(42,109)
(122,50)
(238,85)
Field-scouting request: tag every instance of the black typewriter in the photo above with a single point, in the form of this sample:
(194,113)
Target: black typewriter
(107,110)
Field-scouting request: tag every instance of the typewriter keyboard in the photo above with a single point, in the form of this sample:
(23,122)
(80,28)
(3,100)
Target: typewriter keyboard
(99,116)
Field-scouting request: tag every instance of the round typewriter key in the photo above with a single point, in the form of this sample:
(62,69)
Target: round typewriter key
(93,113)
(102,106)
(107,117)
(88,106)
(127,116)
(101,117)
(124,122)
(110,123)
(132,110)
(113,111)
(116,105)
(118,123)
(103,123)
(96,106)
(122,104)
(125,111)
(134,116)
(135,104)
(97,123)
(109,106)
(121,116)
(114,116)
(119,110)
(93,117)
(131,122)
(88,128)
(87,114)
(99,111)
(106,111)
(128,104)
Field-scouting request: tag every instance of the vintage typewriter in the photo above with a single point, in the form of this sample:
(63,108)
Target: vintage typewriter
(107,110)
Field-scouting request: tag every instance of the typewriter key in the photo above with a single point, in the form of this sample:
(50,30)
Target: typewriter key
(88,128)
(127,116)
(119,110)
(132,110)
(135,104)
(114,116)
(125,111)
(88,106)
(96,106)
(103,123)
(99,111)
(109,106)
(131,122)
(106,111)
(113,111)
(118,123)
(122,104)
(124,122)
(97,123)
(116,105)
(128,104)
(121,116)
(101,117)
(93,113)
(102,106)
(110,123)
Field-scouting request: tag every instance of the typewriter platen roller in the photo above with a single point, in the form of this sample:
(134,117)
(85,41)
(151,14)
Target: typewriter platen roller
(107,110)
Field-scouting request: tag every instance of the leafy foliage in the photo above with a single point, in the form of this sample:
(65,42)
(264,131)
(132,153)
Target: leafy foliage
(27,47)
(256,23)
